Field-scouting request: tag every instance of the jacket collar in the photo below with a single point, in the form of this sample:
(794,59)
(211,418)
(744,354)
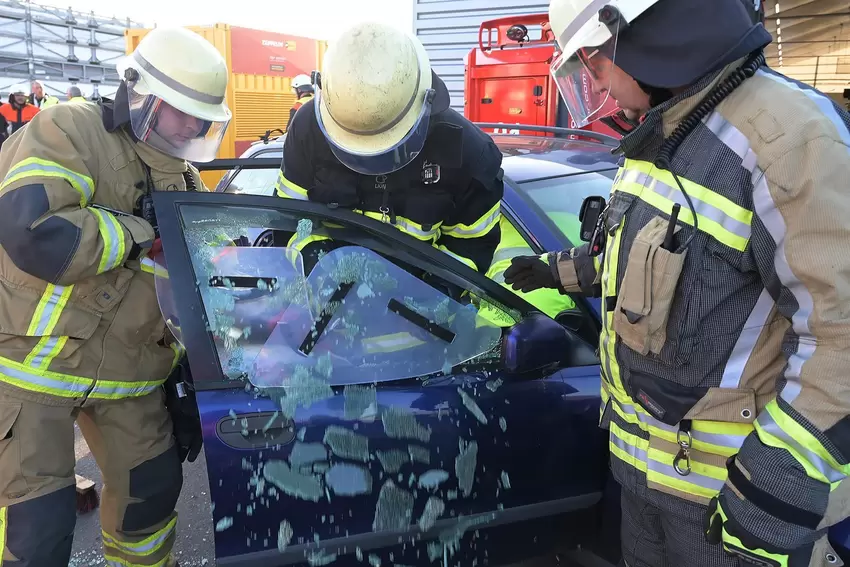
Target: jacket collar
(645,141)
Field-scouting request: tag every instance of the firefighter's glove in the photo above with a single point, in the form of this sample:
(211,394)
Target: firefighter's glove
(737,538)
(528,273)
(183,408)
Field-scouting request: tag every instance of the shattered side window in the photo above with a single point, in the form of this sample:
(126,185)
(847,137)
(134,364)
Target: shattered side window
(325,309)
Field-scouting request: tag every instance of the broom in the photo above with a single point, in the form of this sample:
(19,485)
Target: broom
(87,499)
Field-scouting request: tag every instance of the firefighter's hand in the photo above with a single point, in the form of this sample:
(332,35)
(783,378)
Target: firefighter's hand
(528,273)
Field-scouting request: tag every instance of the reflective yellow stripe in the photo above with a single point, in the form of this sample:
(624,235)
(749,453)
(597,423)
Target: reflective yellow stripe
(289,190)
(44,352)
(113,561)
(115,390)
(151,267)
(390,343)
(719,217)
(43,381)
(457,257)
(145,547)
(727,538)
(479,228)
(112,234)
(607,340)
(776,429)
(179,351)
(37,167)
(49,309)
(406,225)
(4,527)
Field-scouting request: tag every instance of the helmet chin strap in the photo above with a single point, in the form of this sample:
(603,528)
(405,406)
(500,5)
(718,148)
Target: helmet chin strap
(657,95)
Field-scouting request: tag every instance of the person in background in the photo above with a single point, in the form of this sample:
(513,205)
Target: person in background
(82,338)
(18,112)
(75,94)
(39,98)
(303,92)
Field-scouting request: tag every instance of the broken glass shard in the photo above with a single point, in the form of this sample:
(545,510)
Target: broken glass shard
(394,509)
(434,508)
(493,385)
(321,557)
(306,487)
(346,479)
(347,444)
(433,479)
(223,524)
(506,481)
(307,453)
(374,560)
(419,454)
(360,401)
(284,535)
(401,424)
(303,390)
(503,423)
(392,461)
(465,464)
(472,406)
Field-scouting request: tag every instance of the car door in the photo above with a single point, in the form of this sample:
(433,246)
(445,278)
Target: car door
(358,403)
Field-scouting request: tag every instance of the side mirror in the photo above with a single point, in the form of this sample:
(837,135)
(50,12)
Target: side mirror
(535,343)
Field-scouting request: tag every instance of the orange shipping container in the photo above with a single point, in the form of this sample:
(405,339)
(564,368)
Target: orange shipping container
(262,65)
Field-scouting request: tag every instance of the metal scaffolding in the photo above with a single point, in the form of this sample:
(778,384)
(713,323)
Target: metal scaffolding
(59,48)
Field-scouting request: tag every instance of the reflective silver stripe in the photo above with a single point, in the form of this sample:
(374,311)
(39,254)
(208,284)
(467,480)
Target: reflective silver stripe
(704,209)
(692,478)
(746,343)
(75,387)
(733,139)
(145,547)
(45,350)
(113,241)
(766,422)
(772,219)
(823,103)
(416,230)
(719,439)
(82,184)
(128,389)
(284,190)
(47,313)
(175,85)
(632,450)
(482,226)
(509,253)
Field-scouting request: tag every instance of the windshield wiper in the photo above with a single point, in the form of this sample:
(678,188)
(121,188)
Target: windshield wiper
(423,323)
(321,322)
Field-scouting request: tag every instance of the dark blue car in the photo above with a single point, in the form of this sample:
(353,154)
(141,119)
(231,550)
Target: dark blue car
(357,409)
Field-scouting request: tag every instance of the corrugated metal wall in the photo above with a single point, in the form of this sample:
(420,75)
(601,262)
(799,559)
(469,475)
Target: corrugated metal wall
(449,30)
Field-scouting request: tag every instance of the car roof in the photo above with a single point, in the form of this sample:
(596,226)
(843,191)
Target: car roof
(525,157)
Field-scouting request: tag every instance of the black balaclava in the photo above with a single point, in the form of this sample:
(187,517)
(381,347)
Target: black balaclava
(677,42)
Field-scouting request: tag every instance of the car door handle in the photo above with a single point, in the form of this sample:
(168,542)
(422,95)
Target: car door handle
(255,430)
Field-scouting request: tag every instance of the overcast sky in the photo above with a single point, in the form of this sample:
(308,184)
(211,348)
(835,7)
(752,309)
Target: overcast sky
(322,19)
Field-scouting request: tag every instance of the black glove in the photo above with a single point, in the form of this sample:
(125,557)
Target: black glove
(181,404)
(527,273)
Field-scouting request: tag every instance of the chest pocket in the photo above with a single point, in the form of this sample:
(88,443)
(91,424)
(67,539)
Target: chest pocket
(429,192)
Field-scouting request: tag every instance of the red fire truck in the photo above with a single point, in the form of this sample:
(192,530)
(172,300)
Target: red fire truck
(507,78)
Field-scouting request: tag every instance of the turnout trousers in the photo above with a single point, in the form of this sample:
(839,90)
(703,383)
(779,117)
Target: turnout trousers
(131,440)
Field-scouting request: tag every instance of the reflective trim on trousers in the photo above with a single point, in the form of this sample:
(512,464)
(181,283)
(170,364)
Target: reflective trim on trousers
(49,309)
(289,190)
(114,390)
(112,235)
(147,546)
(43,382)
(479,228)
(37,167)
(819,464)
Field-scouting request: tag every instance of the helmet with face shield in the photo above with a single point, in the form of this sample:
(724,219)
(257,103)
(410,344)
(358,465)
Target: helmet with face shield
(176,85)
(586,33)
(375,98)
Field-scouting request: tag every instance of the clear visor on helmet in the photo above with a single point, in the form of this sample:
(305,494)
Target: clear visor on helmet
(172,131)
(385,161)
(583,78)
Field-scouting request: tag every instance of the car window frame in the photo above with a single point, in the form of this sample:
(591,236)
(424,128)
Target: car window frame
(227,180)
(198,339)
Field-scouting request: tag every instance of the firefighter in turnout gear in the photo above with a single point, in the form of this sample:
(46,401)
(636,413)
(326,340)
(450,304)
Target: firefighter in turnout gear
(725,284)
(81,335)
(380,138)
(303,87)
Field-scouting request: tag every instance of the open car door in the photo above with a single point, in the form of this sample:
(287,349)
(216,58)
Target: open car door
(377,400)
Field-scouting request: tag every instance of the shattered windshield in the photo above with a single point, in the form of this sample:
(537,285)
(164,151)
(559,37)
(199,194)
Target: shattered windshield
(327,309)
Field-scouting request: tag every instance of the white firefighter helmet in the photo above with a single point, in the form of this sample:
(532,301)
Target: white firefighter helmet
(375,98)
(301,81)
(176,86)
(586,32)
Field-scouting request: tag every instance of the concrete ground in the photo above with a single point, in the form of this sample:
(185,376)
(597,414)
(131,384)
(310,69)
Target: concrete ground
(195,543)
